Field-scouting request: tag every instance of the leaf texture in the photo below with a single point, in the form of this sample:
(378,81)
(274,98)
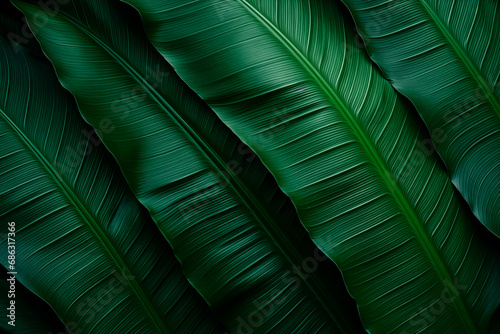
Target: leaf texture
(348,150)
(83,242)
(443,55)
(237,236)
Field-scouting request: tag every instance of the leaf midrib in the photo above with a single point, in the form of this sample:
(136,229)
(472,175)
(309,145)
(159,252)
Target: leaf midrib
(376,159)
(88,218)
(241,190)
(464,57)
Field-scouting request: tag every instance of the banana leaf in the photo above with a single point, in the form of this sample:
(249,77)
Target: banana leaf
(444,56)
(83,242)
(237,236)
(348,150)
(33,314)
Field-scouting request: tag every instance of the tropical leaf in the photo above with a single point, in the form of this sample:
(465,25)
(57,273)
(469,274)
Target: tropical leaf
(32,314)
(83,242)
(237,236)
(446,62)
(347,150)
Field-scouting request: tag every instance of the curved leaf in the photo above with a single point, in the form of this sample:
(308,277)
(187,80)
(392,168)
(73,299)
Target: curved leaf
(348,151)
(237,236)
(32,313)
(446,62)
(83,242)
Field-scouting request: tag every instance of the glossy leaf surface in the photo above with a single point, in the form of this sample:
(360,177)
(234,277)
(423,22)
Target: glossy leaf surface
(444,56)
(348,150)
(83,242)
(238,237)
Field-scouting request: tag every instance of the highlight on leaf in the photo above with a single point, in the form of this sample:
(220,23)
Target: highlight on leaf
(250,166)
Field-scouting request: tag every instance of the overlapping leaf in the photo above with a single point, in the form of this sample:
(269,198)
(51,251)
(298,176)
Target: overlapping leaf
(444,56)
(237,236)
(83,242)
(349,152)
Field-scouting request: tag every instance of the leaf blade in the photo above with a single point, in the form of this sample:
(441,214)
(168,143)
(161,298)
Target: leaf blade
(213,214)
(95,215)
(369,211)
(447,68)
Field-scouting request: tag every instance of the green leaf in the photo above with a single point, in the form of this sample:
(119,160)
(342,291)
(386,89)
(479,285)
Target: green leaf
(237,236)
(348,150)
(443,55)
(82,241)
(32,314)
